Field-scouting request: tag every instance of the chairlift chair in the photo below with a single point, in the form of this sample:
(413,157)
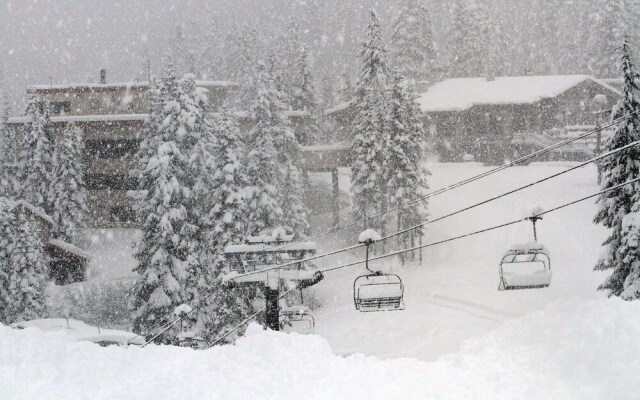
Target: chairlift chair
(298,319)
(377,291)
(526,266)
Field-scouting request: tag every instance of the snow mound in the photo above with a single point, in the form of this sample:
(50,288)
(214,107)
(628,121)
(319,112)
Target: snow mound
(570,350)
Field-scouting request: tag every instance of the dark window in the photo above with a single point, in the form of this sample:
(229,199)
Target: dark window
(56,107)
(111,148)
(122,214)
(112,182)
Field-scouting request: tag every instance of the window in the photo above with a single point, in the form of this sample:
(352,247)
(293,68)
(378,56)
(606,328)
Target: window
(111,149)
(56,107)
(122,214)
(110,182)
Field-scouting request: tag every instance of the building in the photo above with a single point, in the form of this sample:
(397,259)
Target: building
(67,262)
(491,120)
(111,116)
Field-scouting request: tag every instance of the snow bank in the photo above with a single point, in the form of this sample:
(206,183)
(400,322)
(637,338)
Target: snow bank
(570,350)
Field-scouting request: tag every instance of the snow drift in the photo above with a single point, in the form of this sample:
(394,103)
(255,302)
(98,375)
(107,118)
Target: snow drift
(569,350)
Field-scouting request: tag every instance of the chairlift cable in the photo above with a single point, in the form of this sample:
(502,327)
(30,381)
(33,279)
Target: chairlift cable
(247,320)
(467,180)
(356,246)
(592,160)
(485,229)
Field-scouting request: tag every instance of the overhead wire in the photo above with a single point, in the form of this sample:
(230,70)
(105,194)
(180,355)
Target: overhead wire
(394,253)
(465,181)
(359,245)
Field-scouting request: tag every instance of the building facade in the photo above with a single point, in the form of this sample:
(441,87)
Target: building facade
(111,117)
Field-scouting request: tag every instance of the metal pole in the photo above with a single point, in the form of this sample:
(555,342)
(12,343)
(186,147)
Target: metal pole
(273,309)
(598,149)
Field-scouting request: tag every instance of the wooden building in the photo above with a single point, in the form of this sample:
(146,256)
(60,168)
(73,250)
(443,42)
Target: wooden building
(486,119)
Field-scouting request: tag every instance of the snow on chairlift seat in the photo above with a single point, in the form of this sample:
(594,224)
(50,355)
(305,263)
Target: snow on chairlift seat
(525,266)
(378,292)
(297,319)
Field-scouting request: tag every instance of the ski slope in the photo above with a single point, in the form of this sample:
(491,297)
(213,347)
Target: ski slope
(453,296)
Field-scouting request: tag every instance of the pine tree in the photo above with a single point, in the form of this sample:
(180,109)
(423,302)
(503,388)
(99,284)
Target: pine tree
(412,42)
(611,22)
(370,127)
(472,36)
(166,253)
(619,208)
(295,213)
(36,154)
(7,235)
(8,182)
(29,274)
(68,192)
(226,222)
(263,163)
(406,175)
(305,100)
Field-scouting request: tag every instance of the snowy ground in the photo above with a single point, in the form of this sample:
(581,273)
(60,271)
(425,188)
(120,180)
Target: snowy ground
(569,350)
(458,337)
(453,296)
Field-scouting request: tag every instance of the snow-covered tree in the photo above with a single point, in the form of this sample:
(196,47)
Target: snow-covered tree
(8,182)
(472,37)
(226,222)
(305,99)
(412,42)
(68,191)
(29,274)
(295,212)
(406,175)
(610,23)
(263,167)
(35,161)
(370,127)
(242,51)
(618,208)
(166,254)
(7,235)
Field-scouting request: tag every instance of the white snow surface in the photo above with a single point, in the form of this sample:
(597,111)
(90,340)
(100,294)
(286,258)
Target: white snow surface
(462,93)
(568,350)
(369,234)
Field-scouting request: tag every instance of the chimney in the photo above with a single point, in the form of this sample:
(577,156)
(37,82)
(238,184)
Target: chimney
(103,76)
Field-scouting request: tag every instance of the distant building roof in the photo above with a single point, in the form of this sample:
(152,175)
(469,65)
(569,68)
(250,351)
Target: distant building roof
(463,93)
(118,86)
(69,248)
(34,210)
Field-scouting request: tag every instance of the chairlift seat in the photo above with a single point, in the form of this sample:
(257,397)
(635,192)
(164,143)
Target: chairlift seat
(525,267)
(298,319)
(378,292)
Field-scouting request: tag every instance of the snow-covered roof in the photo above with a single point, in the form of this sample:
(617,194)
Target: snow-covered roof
(338,107)
(120,85)
(81,331)
(88,118)
(262,247)
(463,93)
(34,210)
(327,147)
(69,248)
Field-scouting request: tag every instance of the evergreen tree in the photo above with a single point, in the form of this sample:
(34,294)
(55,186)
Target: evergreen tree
(263,161)
(8,182)
(167,253)
(406,175)
(618,208)
(295,212)
(68,192)
(7,235)
(305,100)
(472,36)
(368,149)
(610,23)
(36,154)
(29,274)
(412,42)
(226,222)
